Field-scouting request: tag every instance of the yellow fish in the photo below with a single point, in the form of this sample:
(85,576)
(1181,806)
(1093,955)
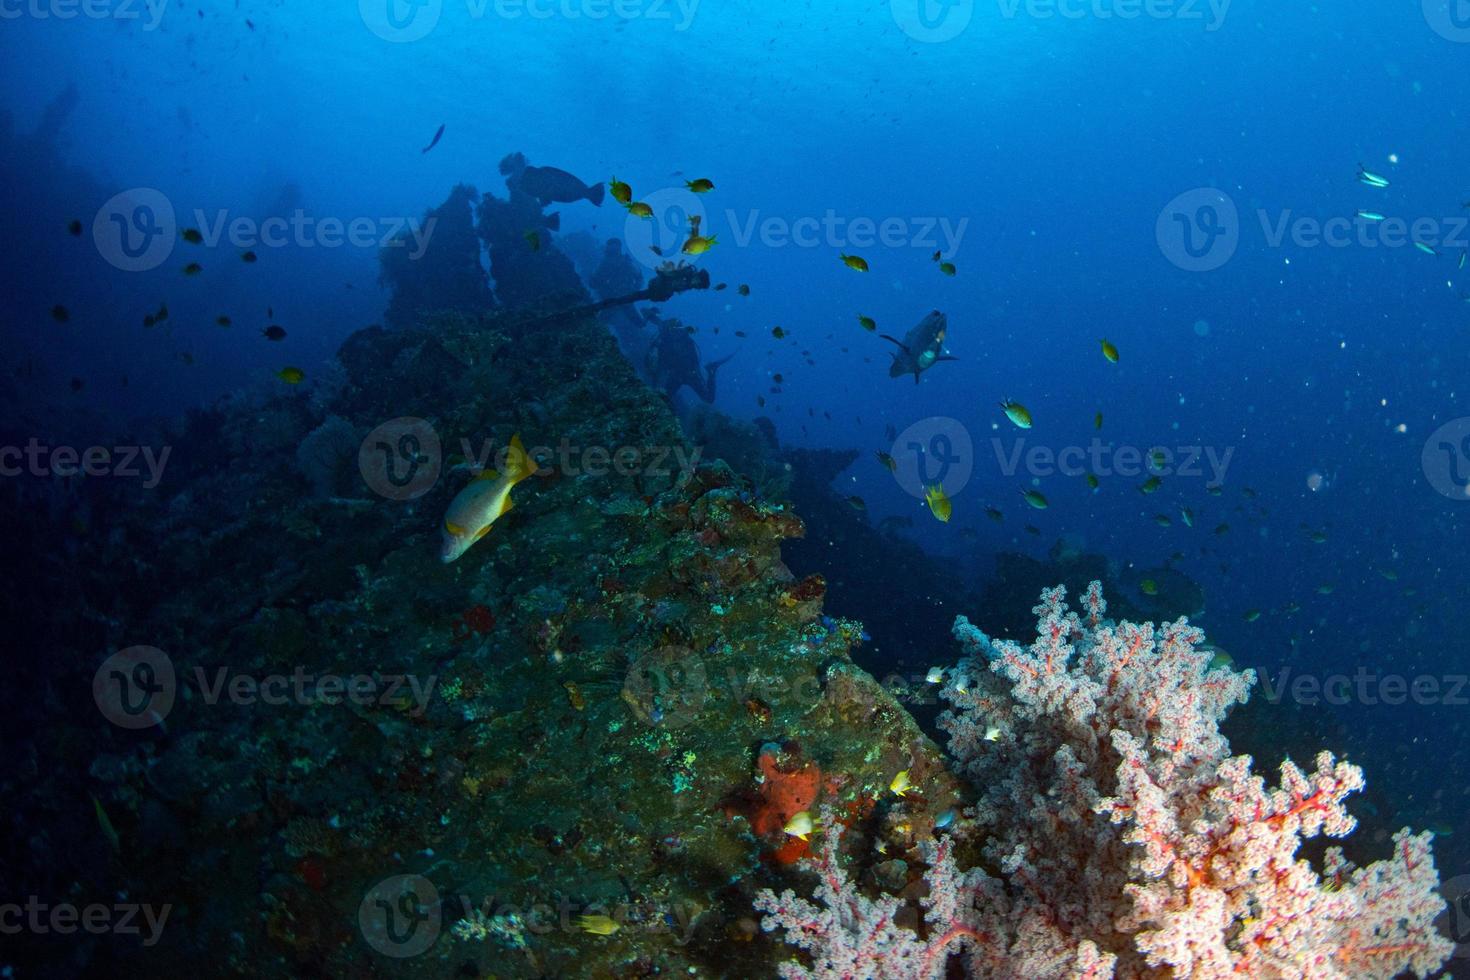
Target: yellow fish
(856,262)
(639,210)
(291,375)
(900,784)
(1017,413)
(598,925)
(621,192)
(938,502)
(701,186)
(1110,351)
(801,825)
(483,502)
(698,245)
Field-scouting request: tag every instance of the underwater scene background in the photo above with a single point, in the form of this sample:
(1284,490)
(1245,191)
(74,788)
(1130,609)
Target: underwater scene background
(489,487)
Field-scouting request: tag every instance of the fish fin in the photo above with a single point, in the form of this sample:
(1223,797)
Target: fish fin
(453,529)
(518,463)
(916,377)
(505,508)
(595,194)
(553,221)
(892,340)
(487,474)
(485,530)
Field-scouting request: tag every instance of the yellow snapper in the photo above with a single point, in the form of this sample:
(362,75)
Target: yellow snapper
(483,502)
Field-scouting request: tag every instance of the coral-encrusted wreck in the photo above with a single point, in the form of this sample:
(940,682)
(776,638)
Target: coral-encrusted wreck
(569,753)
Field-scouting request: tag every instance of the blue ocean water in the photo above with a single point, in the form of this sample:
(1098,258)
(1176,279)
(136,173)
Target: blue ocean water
(1181,179)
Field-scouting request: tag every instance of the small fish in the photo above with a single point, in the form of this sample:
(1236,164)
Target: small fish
(935,676)
(247,257)
(1109,351)
(76,384)
(108,830)
(857,503)
(868,323)
(947,268)
(598,925)
(900,784)
(1097,421)
(291,375)
(59,313)
(1148,587)
(438,134)
(486,499)
(192,236)
(1017,413)
(1035,499)
(1214,489)
(718,288)
(75,227)
(1371,215)
(1158,458)
(193,269)
(274,332)
(1220,660)
(855,262)
(778,333)
(638,209)
(1464,254)
(1368,177)
(889,463)
(702,185)
(1162,520)
(621,192)
(743,289)
(1187,516)
(1251,615)
(1325,588)
(533,240)
(1426,249)
(936,256)
(939,503)
(698,244)
(1222,528)
(995,514)
(992,734)
(222,320)
(1092,481)
(800,825)
(1150,485)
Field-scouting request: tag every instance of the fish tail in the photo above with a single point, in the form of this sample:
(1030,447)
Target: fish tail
(518,462)
(594,194)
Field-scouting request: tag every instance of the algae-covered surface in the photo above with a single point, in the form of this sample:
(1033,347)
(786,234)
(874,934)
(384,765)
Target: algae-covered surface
(571,752)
